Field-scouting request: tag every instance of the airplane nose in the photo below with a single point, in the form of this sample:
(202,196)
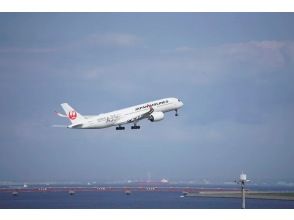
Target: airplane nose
(181,104)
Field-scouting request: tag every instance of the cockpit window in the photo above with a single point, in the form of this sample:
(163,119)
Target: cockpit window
(179,100)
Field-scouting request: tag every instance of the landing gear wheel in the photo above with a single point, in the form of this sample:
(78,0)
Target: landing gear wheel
(176,112)
(120,128)
(135,127)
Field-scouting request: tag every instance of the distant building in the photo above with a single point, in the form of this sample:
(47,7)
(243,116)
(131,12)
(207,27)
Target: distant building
(164,181)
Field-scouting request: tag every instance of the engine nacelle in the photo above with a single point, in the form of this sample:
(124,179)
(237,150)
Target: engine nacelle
(156,116)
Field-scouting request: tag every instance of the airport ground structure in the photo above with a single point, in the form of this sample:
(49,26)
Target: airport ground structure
(128,190)
(249,194)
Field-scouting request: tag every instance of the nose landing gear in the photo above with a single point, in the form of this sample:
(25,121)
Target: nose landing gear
(176,112)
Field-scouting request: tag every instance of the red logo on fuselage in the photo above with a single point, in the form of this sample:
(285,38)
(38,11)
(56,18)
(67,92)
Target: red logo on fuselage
(72,115)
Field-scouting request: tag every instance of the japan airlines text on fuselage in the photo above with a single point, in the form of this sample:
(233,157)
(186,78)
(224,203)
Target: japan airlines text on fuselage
(153,111)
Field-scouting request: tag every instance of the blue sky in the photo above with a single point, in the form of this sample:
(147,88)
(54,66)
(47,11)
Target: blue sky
(233,71)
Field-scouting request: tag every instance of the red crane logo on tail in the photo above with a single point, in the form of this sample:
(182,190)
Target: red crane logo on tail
(72,115)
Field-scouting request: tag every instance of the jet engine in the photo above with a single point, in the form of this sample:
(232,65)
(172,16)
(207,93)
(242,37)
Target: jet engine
(156,116)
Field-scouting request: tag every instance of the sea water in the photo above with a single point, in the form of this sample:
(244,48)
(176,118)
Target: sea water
(119,200)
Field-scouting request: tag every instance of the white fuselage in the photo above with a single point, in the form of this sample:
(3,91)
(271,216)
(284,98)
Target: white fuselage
(114,118)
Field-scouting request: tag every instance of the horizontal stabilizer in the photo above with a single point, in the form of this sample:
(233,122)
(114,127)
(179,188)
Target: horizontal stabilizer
(60,115)
(59,126)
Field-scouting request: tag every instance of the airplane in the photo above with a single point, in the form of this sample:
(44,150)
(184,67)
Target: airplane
(153,111)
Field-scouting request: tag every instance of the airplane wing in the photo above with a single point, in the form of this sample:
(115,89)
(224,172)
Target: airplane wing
(136,116)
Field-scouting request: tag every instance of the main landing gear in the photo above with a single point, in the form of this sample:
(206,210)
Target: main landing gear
(120,128)
(135,126)
(123,128)
(176,112)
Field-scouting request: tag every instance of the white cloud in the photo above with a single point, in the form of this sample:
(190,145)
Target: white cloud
(201,66)
(113,39)
(183,49)
(186,66)
(98,39)
(266,55)
(27,50)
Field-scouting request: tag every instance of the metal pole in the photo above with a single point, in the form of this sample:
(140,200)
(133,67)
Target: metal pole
(243,196)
